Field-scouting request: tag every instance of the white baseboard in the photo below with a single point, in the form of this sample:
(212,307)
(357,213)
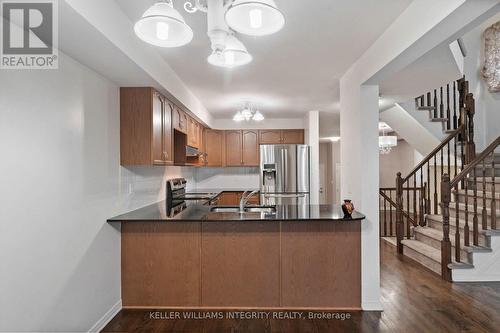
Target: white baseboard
(371,306)
(106,318)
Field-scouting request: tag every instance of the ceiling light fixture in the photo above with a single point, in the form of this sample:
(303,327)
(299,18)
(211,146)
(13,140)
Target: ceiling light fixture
(255,17)
(162,25)
(247,113)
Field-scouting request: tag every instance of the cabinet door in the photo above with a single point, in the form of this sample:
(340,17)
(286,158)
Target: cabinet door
(179,120)
(168,155)
(269,137)
(250,148)
(192,133)
(157,144)
(233,148)
(292,136)
(213,147)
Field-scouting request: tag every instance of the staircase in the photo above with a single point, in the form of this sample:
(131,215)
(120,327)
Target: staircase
(453,192)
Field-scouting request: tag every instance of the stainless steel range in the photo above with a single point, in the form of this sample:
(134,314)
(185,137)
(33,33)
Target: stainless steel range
(176,195)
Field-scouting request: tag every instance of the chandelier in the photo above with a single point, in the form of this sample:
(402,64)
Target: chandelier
(248,112)
(162,25)
(386,143)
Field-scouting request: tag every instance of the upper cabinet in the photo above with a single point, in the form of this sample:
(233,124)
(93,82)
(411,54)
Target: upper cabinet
(145,127)
(193,133)
(180,120)
(242,148)
(276,137)
(214,147)
(292,136)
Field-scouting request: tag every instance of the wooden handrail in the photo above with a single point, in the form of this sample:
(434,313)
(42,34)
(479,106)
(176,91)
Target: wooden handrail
(404,189)
(435,151)
(475,162)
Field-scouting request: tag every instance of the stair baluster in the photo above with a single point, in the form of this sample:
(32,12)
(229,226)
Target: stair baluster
(493,207)
(448,112)
(484,215)
(475,230)
(455,124)
(445,243)
(435,104)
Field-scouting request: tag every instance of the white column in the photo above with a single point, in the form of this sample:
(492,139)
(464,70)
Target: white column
(312,139)
(360,177)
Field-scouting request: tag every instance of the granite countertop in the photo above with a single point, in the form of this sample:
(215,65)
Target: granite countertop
(197,212)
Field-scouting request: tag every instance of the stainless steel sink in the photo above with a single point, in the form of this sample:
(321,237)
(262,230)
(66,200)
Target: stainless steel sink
(251,209)
(261,209)
(217,209)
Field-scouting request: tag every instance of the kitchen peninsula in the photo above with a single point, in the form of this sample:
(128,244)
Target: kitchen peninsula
(281,257)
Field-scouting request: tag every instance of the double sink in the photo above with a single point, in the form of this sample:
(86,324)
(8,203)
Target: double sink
(250,209)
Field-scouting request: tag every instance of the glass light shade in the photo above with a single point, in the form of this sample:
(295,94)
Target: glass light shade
(238,117)
(387,141)
(162,25)
(258,116)
(255,17)
(235,54)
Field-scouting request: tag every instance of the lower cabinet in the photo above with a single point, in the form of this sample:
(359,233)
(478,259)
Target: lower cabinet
(233,199)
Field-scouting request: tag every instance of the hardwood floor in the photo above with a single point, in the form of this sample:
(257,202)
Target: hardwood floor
(414,300)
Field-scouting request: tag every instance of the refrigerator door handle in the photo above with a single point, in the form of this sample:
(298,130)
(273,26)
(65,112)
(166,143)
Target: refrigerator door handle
(284,195)
(285,167)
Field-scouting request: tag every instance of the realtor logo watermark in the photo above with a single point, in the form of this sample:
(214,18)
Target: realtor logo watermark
(29,34)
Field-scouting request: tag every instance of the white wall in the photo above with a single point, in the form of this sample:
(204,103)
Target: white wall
(271,123)
(227,178)
(61,180)
(402,158)
(487,117)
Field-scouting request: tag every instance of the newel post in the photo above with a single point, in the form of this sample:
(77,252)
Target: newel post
(445,243)
(470,110)
(399,212)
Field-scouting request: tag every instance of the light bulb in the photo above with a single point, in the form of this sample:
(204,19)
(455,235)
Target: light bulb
(162,29)
(255,18)
(229,58)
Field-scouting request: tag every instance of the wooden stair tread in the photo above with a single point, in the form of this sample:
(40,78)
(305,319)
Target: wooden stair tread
(438,235)
(461,223)
(424,249)
(432,253)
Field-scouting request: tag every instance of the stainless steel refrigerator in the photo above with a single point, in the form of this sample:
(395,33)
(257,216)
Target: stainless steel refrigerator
(284,174)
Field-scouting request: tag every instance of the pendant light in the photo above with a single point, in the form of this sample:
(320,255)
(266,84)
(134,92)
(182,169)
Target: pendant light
(162,25)
(234,54)
(255,17)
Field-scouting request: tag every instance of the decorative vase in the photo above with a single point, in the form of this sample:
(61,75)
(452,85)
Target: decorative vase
(347,208)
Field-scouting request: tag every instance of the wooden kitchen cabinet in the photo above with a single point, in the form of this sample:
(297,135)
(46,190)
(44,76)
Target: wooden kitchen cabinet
(214,147)
(145,127)
(180,120)
(233,199)
(233,148)
(269,137)
(275,137)
(250,148)
(242,148)
(193,133)
(292,136)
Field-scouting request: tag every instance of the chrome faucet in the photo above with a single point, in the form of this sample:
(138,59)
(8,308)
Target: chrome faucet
(244,200)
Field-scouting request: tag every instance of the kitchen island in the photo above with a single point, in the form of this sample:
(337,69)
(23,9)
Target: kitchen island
(286,257)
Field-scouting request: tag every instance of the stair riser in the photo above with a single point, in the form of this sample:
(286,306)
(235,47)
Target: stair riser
(488,171)
(423,260)
(464,256)
(483,241)
(489,186)
(470,199)
(461,214)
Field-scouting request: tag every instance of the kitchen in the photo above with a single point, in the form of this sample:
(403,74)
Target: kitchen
(199,239)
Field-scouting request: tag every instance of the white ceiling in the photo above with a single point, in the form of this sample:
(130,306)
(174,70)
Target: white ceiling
(293,71)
